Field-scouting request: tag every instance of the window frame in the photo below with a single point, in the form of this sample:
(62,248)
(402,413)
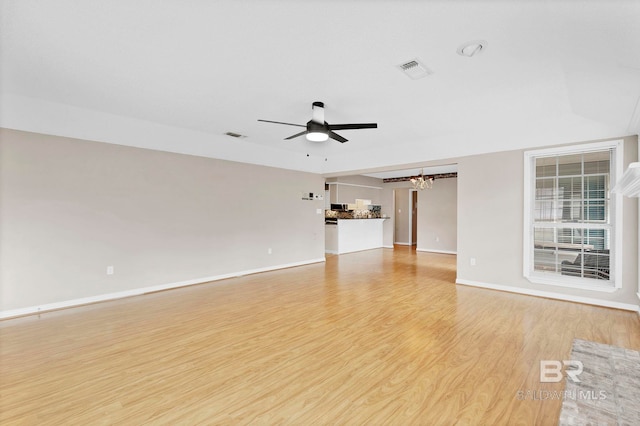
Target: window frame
(615,212)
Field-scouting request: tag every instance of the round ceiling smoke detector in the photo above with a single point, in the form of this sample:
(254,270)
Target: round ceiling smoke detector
(472,48)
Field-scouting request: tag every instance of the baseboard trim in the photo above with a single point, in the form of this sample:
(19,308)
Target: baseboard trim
(437,251)
(402,244)
(550,295)
(391,247)
(12,313)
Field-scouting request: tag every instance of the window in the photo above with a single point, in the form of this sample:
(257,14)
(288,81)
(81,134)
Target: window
(570,236)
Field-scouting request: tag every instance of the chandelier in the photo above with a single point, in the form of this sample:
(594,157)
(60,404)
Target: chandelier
(420,182)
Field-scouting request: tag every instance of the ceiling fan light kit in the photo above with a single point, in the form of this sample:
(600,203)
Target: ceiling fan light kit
(317,136)
(318,130)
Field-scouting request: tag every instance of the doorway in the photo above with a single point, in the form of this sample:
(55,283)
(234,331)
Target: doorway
(406,217)
(413,218)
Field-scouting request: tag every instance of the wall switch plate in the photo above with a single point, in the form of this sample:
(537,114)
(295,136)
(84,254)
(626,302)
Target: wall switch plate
(318,196)
(472,261)
(318,211)
(269,251)
(109,270)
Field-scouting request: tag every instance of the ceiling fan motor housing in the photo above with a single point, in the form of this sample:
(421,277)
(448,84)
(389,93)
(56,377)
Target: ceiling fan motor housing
(312,126)
(317,112)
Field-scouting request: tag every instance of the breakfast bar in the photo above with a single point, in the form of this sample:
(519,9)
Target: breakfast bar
(349,235)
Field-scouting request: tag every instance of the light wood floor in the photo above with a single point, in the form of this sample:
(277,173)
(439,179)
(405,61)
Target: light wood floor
(377,337)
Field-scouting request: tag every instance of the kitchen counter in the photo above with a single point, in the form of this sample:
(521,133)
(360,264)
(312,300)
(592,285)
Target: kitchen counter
(349,235)
(334,220)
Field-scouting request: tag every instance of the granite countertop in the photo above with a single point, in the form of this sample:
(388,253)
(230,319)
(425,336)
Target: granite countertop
(352,214)
(356,218)
(361,218)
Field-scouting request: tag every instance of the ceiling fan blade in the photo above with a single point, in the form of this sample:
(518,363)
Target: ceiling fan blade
(352,126)
(280,122)
(296,135)
(337,137)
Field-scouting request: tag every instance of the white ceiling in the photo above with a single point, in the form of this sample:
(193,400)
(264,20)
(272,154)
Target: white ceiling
(176,75)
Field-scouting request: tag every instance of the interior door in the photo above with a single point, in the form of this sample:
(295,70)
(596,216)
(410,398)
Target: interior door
(414,217)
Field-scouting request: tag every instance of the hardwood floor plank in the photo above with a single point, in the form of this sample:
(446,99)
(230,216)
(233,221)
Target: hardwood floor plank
(376,337)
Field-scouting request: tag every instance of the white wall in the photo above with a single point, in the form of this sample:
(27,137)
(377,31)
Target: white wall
(388,228)
(490,228)
(438,216)
(69,208)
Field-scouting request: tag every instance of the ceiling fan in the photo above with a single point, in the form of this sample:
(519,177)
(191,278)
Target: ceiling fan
(319,130)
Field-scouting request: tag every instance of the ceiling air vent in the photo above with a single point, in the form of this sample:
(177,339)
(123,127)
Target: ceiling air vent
(235,135)
(415,69)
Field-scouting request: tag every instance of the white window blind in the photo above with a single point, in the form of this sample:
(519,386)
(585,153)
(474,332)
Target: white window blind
(570,220)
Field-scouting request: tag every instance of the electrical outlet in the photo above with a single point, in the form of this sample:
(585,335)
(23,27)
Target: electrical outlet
(437,239)
(269,251)
(109,270)
(472,261)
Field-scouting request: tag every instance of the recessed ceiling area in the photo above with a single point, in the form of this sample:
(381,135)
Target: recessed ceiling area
(177,77)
